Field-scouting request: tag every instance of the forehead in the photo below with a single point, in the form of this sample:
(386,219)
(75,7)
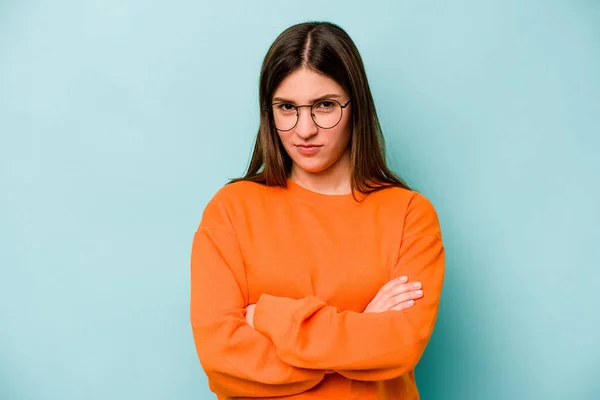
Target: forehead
(305,84)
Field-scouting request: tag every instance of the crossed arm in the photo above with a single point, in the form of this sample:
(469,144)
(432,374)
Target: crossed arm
(295,342)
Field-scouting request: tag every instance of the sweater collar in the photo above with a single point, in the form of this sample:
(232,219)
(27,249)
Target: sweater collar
(320,199)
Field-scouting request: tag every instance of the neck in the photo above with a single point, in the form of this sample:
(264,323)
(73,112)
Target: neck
(333,180)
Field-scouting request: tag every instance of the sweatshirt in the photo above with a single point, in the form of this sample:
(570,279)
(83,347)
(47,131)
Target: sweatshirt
(311,263)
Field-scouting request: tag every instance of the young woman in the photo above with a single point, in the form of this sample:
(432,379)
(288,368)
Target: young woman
(318,274)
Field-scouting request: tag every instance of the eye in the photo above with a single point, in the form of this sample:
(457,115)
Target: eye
(285,107)
(325,105)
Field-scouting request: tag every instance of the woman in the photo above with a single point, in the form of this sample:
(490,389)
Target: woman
(318,274)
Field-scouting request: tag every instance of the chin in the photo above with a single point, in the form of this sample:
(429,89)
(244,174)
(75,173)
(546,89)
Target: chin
(313,168)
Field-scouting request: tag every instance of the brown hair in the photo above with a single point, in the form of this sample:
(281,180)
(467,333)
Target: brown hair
(327,49)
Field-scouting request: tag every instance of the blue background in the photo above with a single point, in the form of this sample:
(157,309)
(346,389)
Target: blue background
(120,119)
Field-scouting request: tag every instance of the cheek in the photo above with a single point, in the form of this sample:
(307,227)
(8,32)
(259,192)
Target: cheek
(346,125)
(343,135)
(284,137)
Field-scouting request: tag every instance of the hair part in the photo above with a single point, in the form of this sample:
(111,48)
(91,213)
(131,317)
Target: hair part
(327,49)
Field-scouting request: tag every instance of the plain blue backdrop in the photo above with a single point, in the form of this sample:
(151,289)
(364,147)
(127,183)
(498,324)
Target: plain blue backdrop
(120,119)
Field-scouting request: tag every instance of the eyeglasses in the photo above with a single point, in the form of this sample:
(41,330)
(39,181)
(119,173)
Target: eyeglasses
(325,114)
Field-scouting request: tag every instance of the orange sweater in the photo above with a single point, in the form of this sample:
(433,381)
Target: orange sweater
(311,263)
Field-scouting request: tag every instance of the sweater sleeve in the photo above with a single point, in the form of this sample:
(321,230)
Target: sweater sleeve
(237,359)
(365,346)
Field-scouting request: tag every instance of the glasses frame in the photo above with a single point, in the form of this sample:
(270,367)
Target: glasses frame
(312,115)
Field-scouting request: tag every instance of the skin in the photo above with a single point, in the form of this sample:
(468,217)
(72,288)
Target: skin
(328,170)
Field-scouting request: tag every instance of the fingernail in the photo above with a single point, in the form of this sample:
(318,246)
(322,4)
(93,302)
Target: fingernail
(417,285)
(418,292)
(410,302)
(403,279)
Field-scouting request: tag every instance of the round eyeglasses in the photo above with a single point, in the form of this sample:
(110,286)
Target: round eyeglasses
(325,114)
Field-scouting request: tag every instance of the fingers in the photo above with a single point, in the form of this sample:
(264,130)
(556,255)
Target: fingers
(393,283)
(402,298)
(403,306)
(397,294)
(403,288)
(396,287)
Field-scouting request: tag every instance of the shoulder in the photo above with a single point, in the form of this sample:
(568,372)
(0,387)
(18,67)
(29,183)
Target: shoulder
(231,201)
(416,210)
(239,190)
(401,198)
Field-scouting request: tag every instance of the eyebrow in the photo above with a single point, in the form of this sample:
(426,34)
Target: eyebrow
(325,96)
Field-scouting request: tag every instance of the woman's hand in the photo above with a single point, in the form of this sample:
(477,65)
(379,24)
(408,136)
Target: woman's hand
(250,314)
(395,295)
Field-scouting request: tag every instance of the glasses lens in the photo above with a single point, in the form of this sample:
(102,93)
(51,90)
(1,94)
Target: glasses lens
(326,114)
(285,116)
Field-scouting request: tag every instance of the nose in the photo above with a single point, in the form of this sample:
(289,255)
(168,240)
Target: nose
(305,127)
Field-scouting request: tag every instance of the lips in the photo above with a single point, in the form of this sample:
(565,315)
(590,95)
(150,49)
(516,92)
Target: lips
(308,149)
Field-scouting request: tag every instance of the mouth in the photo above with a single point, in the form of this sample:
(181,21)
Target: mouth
(308,149)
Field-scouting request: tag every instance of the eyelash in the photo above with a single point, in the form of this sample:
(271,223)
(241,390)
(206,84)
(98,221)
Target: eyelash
(281,106)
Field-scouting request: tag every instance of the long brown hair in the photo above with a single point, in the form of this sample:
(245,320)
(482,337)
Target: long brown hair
(327,49)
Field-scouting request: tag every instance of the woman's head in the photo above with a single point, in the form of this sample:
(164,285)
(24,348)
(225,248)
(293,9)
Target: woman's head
(316,138)
(305,62)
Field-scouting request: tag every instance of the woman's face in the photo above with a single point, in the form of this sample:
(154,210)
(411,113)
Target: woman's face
(312,148)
